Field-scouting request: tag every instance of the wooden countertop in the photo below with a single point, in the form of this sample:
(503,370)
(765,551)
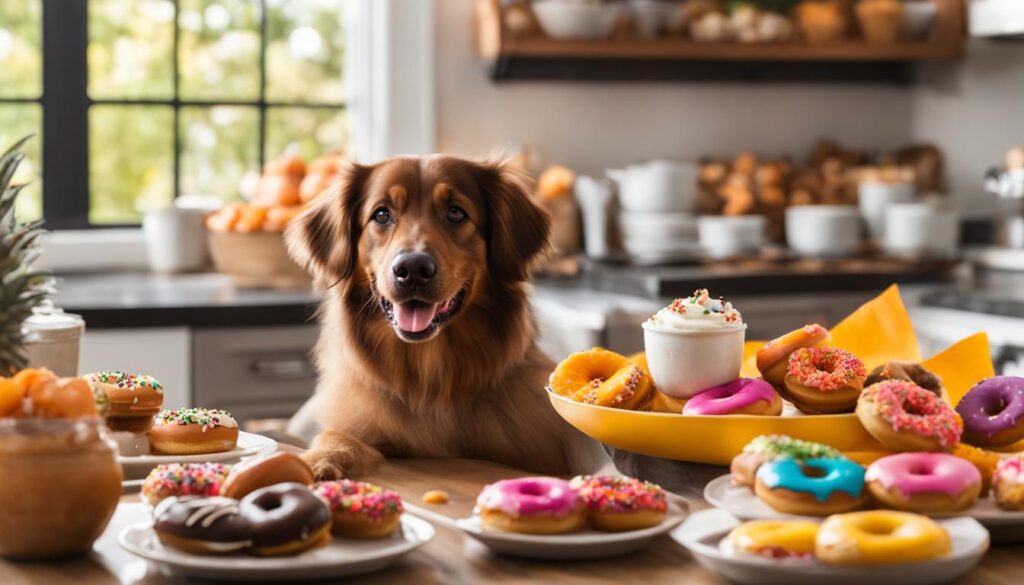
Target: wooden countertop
(453,558)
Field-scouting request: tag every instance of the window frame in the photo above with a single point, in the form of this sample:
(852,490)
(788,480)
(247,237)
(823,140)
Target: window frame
(66,103)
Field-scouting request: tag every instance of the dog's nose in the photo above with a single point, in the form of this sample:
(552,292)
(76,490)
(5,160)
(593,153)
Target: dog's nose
(412,268)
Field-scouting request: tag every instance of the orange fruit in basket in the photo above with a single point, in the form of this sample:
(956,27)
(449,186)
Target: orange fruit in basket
(31,378)
(252,219)
(279,216)
(323,172)
(279,189)
(11,396)
(602,377)
(225,218)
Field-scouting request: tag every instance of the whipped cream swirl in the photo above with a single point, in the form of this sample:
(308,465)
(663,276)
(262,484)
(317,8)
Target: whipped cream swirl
(698,312)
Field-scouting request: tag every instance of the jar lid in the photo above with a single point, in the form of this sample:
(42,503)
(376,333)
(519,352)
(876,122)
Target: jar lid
(50,323)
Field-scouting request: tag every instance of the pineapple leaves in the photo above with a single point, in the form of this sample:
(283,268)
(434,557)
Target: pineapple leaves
(21,288)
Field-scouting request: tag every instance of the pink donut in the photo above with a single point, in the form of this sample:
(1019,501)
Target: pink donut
(741,396)
(531,496)
(910,481)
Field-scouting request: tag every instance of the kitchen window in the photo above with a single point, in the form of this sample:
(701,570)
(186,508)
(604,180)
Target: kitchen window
(136,102)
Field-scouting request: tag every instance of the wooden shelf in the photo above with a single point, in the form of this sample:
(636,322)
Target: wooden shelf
(539,57)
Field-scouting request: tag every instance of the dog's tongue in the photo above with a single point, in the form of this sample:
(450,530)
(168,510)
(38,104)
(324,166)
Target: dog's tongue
(414,316)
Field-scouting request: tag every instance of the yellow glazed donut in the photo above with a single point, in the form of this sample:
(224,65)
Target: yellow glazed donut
(602,377)
(880,537)
(778,539)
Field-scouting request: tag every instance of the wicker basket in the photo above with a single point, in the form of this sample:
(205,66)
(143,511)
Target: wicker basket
(256,260)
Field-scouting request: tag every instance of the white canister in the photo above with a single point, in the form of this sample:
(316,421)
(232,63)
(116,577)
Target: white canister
(684,363)
(874,196)
(831,231)
(723,236)
(52,339)
(919,229)
(176,239)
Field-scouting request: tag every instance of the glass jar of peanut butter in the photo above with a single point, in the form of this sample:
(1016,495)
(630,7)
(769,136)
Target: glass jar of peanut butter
(59,483)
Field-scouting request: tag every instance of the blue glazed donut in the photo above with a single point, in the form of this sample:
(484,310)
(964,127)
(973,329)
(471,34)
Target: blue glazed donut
(815,487)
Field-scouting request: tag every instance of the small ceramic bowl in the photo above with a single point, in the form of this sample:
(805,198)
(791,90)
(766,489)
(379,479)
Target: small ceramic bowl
(684,363)
(831,231)
(576,20)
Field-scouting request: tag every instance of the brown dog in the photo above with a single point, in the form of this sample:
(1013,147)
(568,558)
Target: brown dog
(428,345)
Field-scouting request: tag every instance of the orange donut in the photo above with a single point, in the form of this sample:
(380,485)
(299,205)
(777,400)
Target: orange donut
(664,403)
(602,377)
(773,358)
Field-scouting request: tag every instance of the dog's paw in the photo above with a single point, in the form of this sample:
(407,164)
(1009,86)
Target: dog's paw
(324,468)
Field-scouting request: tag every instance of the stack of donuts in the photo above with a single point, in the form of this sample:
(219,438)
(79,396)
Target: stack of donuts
(547,505)
(131,407)
(267,507)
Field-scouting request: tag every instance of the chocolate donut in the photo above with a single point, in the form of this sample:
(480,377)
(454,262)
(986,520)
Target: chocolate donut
(286,518)
(201,525)
(909,371)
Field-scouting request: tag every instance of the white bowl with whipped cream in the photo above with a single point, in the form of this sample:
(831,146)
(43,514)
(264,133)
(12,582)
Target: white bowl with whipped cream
(694,344)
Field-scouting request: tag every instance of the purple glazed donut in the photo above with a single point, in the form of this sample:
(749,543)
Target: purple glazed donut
(993,412)
(741,396)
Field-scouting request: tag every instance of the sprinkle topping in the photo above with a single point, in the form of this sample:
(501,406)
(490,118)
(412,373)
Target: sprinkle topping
(908,407)
(196,416)
(698,312)
(192,479)
(605,493)
(126,381)
(826,368)
(359,497)
(1010,470)
(780,446)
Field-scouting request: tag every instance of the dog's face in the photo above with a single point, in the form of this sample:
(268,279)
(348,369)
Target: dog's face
(425,236)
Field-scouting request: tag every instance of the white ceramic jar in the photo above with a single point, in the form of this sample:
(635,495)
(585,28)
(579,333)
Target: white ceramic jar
(873,197)
(723,236)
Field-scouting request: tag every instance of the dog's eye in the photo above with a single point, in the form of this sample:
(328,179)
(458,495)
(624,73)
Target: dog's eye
(382,216)
(456,214)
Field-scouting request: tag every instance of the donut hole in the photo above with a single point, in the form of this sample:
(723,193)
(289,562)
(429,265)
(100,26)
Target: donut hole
(994,407)
(269,501)
(533,489)
(877,529)
(920,470)
(813,472)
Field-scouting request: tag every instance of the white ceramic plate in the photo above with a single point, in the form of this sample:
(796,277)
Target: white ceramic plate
(586,544)
(703,532)
(342,557)
(742,502)
(249,445)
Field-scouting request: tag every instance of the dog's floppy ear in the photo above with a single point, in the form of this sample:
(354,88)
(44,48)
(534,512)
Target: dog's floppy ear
(323,238)
(517,228)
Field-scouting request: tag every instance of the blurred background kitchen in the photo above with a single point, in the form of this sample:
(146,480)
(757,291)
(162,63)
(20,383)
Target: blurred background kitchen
(796,156)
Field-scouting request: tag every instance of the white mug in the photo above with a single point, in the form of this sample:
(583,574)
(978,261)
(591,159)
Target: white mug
(722,236)
(874,196)
(921,229)
(823,230)
(175,239)
(657,186)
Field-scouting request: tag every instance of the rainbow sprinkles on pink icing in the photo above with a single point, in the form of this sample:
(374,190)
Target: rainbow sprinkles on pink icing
(730,397)
(359,497)
(531,496)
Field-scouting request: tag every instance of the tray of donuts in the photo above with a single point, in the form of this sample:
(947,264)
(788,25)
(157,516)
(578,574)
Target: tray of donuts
(861,387)
(267,520)
(587,517)
(148,435)
(779,477)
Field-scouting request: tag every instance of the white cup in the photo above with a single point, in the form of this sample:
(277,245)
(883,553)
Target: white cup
(175,239)
(874,196)
(723,236)
(52,340)
(685,363)
(915,229)
(831,231)
(657,186)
